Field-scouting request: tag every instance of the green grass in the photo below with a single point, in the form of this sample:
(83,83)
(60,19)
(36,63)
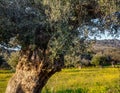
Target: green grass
(86,80)
(4,77)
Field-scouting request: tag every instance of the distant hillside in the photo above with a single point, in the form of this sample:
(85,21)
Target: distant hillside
(106,44)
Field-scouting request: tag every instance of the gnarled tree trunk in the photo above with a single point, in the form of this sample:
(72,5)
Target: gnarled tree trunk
(31,76)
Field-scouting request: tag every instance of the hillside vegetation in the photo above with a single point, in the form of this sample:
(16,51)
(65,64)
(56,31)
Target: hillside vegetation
(107,44)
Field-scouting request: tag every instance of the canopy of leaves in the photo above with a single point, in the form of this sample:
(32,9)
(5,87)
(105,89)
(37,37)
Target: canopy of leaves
(99,59)
(53,24)
(13,59)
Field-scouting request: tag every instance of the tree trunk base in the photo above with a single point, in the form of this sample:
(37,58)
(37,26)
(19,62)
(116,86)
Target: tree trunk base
(29,79)
(32,73)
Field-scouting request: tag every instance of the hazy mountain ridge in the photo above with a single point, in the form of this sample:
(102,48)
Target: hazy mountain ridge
(108,43)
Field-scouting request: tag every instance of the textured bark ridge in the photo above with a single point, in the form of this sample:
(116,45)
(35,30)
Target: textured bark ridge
(30,77)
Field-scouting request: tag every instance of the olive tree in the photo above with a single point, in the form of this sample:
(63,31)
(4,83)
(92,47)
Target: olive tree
(99,60)
(13,59)
(45,30)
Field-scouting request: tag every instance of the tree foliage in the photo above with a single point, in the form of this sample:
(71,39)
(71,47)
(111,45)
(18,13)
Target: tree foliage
(53,22)
(99,60)
(25,20)
(13,59)
(46,29)
(54,25)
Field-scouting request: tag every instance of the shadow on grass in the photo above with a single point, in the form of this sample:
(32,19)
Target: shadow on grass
(78,90)
(2,80)
(6,71)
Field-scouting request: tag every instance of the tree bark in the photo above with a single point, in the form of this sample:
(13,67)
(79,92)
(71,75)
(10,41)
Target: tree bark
(31,77)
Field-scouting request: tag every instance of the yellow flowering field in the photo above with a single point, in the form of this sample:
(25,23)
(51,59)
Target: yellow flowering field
(85,80)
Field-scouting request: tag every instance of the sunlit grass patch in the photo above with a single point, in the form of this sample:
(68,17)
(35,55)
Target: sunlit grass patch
(4,77)
(85,80)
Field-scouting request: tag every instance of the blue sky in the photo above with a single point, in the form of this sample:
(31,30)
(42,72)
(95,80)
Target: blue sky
(107,36)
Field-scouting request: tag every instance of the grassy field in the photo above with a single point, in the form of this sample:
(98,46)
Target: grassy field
(4,77)
(86,80)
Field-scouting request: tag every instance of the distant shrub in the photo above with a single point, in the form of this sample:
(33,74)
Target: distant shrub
(3,63)
(99,60)
(13,59)
(85,62)
(1,60)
